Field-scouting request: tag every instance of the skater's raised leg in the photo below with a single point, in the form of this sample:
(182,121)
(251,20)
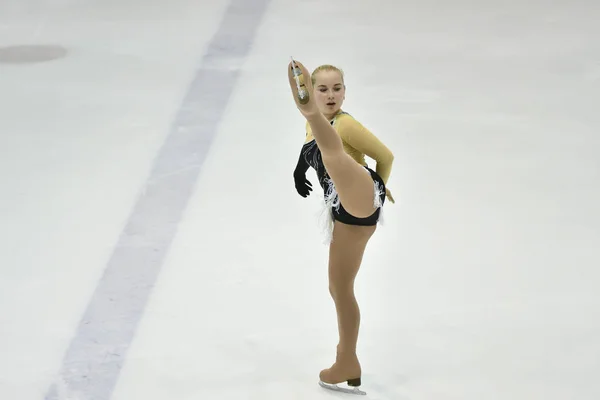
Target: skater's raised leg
(352,181)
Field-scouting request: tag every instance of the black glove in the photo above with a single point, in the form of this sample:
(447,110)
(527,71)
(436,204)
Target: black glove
(303,185)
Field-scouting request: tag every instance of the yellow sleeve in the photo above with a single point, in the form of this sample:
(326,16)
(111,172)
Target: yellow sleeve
(361,139)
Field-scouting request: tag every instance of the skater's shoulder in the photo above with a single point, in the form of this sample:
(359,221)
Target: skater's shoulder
(307,129)
(308,134)
(345,120)
(343,115)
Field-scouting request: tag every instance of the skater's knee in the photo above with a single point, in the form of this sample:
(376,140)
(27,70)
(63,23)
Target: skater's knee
(340,167)
(332,291)
(341,291)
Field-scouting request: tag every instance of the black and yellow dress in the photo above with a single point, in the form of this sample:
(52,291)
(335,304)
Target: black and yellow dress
(358,142)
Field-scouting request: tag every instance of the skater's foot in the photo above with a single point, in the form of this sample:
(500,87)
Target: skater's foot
(345,369)
(302,89)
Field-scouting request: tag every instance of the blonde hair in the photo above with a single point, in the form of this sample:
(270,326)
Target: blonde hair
(326,67)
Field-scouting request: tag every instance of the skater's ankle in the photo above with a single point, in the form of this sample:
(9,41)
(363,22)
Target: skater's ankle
(346,351)
(312,115)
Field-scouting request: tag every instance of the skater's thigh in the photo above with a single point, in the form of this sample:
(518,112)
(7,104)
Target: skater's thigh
(346,253)
(353,184)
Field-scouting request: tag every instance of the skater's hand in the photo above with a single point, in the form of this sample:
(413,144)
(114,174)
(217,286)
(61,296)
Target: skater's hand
(389,196)
(303,185)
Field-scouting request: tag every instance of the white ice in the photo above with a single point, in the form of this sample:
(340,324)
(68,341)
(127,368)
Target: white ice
(482,283)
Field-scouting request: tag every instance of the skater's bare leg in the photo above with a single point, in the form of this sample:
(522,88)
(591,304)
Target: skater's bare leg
(345,257)
(352,181)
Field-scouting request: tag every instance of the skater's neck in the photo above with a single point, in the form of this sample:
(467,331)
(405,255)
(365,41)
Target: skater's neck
(330,117)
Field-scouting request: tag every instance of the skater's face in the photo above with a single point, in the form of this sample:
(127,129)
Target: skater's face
(330,92)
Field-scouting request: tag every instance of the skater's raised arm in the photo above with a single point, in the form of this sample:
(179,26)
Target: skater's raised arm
(359,137)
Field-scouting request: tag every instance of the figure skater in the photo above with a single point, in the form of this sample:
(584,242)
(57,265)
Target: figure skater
(335,146)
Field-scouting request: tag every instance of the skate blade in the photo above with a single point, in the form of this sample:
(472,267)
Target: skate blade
(336,388)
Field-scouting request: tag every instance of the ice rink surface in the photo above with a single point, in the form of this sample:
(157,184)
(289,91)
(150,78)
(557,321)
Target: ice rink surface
(152,245)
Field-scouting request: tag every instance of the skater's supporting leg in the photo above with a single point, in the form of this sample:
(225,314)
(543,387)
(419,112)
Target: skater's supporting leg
(345,257)
(352,181)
